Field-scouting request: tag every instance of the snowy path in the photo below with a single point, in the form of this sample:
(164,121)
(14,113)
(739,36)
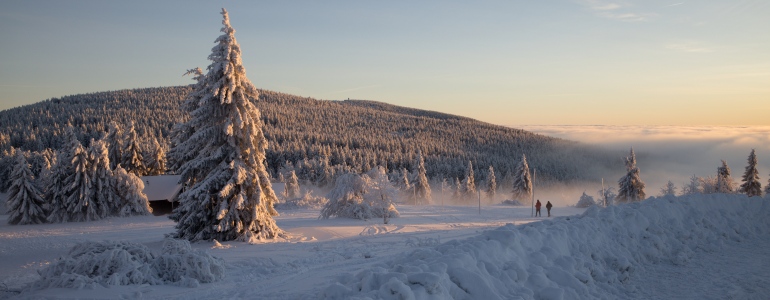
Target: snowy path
(740,270)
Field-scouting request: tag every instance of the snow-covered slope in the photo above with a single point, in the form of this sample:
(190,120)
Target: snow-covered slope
(699,247)
(590,256)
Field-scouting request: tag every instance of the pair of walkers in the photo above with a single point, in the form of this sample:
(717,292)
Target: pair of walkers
(547,206)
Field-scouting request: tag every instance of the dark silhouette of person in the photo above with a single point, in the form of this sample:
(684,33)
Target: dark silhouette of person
(537,208)
(548,207)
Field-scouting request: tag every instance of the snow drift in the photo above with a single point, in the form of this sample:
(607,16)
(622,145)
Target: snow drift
(581,257)
(125,263)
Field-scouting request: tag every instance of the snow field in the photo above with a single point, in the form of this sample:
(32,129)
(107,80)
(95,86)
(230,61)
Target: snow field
(591,256)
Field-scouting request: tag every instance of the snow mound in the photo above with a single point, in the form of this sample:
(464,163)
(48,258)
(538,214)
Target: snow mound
(581,257)
(124,263)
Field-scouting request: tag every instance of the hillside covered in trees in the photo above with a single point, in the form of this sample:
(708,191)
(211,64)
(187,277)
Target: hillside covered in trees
(319,138)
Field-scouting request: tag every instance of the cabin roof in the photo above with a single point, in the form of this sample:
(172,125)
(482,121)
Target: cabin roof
(162,187)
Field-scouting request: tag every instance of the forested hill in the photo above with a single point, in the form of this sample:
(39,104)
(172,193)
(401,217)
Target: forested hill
(316,134)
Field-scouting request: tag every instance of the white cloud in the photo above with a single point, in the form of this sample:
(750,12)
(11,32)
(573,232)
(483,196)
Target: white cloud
(620,11)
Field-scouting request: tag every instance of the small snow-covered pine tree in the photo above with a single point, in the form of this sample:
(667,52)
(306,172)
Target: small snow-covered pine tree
(130,200)
(457,189)
(751,185)
(155,159)
(491,184)
(669,189)
(522,181)
(421,185)
(25,202)
(630,186)
(291,189)
(724,181)
(469,184)
(132,160)
(693,187)
(229,196)
(585,201)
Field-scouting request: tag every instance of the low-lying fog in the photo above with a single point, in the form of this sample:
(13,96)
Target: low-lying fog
(665,153)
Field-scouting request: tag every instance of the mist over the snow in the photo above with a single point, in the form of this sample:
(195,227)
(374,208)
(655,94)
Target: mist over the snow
(668,152)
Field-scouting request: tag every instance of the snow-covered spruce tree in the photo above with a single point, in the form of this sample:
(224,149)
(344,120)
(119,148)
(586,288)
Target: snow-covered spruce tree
(291,189)
(421,185)
(181,132)
(25,202)
(114,141)
(668,190)
(585,201)
(61,178)
(491,184)
(7,162)
(469,184)
(129,198)
(630,186)
(155,159)
(102,193)
(724,183)
(751,185)
(522,181)
(80,200)
(132,160)
(229,196)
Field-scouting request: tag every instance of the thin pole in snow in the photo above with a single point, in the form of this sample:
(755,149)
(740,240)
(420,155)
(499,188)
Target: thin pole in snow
(479,201)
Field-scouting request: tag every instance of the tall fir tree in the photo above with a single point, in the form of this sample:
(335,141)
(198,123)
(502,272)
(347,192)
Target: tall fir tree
(132,159)
(724,181)
(491,184)
(99,171)
(115,143)
(80,201)
(421,185)
(230,196)
(751,185)
(61,178)
(630,186)
(25,202)
(522,181)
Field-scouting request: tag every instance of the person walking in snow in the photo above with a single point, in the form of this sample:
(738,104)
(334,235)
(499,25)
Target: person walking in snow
(537,208)
(548,207)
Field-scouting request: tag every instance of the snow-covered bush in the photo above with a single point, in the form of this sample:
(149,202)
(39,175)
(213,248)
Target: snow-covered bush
(585,201)
(123,263)
(307,201)
(513,202)
(363,197)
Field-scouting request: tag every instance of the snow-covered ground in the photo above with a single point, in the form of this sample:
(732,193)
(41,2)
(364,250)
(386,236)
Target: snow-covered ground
(707,247)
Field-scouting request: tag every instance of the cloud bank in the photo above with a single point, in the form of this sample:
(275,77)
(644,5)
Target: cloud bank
(673,152)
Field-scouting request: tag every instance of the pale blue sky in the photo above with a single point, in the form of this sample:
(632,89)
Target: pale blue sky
(509,62)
